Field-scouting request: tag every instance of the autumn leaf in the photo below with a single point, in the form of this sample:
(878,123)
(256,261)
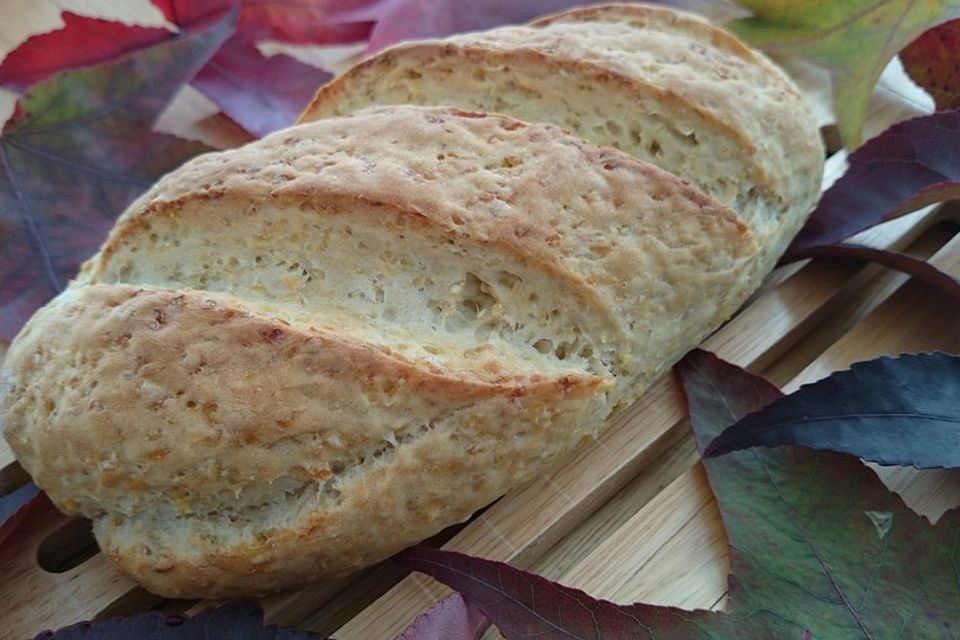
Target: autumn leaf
(910,165)
(525,606)
(903,411)
(260,93)
(933,62)
(416,19)
(819,547)
(79,148)
(452,618)
(801,532)
(853,39)
(240,620)
(264,94)
(83,41)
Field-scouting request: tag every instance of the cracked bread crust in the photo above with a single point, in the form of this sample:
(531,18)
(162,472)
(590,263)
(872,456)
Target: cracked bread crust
(293,359)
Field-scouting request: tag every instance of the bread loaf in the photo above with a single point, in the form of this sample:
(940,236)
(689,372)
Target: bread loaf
(293,359)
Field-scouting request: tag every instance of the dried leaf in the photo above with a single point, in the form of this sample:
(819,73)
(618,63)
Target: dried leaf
(820,548)
(933,61)
(240,620)
(853,39)
(452,618)
(77,151)
(903,411)
(910,165)
(15,506)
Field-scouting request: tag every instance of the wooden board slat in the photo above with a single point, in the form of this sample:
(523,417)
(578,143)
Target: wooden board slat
(672,552)
(32,599)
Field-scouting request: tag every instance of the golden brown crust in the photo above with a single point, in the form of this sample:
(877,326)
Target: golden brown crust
(510,206)
(481,181)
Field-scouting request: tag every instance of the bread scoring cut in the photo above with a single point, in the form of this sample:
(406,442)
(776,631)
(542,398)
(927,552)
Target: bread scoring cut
(293,359)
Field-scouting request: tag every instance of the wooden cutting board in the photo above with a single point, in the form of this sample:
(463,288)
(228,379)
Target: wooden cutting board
(627,518)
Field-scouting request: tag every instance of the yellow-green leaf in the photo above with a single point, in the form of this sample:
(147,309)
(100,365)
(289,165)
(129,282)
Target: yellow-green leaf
(853,39)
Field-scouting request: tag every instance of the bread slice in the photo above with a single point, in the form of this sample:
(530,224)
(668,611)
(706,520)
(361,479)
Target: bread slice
(293,359)
(662,85)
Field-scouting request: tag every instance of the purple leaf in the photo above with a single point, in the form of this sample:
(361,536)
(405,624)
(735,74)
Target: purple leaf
(415,19)
(452,618)
(348,11)
(910,165)
(719,393)
(259,93)
(78,150)
(903,411)
(238,620)
(525,606)
(816,540)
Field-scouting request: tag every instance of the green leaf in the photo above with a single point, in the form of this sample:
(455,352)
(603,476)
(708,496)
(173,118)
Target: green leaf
(853,39)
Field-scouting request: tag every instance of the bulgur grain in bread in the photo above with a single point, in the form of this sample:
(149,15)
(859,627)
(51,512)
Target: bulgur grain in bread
(293,359)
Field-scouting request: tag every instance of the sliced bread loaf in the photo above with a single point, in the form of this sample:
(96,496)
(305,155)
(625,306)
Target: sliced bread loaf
(293,359)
